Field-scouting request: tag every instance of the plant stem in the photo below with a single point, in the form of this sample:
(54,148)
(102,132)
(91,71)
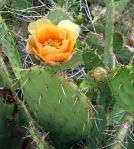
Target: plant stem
(109,58)
(123,131)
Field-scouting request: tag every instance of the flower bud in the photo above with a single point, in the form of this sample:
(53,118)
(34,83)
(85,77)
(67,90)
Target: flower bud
(79,18)
(99,74)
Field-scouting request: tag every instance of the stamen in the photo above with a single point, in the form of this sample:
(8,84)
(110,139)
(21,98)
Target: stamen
(53,43)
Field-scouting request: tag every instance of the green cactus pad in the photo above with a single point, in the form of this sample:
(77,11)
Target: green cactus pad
(56,15)
(123,55)
(122,86)
(58,106)
(98,26)
(97,134)
(117,40)
(91,59)
(9,48)
(95,42)
(97,91)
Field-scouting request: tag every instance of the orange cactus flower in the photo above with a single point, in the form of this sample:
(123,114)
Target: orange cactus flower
(50,43)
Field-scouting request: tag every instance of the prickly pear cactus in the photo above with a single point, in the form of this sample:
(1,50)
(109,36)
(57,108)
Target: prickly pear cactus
(121,84)
(58,106)
(43,98)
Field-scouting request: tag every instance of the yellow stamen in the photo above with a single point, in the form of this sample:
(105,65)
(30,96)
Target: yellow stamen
(53,43)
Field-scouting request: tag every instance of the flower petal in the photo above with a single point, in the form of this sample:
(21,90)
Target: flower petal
(63,37)
(43,30)
(30,44)
(49,50)
(62,57)
(70,26)
(33,44)
(34,27)
(64,46)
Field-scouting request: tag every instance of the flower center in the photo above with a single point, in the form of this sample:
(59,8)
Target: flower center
(53,43)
